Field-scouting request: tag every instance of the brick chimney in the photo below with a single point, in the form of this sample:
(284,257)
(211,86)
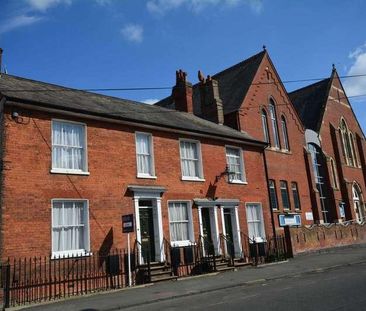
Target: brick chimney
(182,93)
(211,103)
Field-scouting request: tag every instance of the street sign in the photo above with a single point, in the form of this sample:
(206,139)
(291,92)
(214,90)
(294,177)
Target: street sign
(127,223)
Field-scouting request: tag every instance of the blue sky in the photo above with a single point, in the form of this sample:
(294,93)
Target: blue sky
(129,43)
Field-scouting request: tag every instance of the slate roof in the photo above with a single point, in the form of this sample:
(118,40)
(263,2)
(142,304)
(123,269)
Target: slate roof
(310,103)
(234,83)
(63,98)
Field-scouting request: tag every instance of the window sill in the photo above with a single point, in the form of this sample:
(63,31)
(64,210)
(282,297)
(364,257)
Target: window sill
(70,254)
(283,151)
(68,172)
(146,176)
(238,182)
(193,179)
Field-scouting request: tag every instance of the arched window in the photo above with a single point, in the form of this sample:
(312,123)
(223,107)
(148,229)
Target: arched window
(358,203)
(265,127)
(272,112)
(284,133)
(334,173)
(320,180)
(346,141)
(354,150)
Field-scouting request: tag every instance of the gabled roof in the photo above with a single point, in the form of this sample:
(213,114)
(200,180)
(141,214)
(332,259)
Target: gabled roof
(310,102)
(57,97)
(234,83)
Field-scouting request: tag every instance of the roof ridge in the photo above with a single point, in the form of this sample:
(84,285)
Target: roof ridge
(310,85)
(69,88)
(247,60)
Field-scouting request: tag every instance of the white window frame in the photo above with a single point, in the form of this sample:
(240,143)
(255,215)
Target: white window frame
(257,239)
(200,176)
(242,166)
(152,160)
(190,224)
(56,170)
(78,252)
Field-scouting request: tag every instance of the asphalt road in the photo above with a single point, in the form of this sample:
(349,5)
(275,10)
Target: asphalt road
(338,289)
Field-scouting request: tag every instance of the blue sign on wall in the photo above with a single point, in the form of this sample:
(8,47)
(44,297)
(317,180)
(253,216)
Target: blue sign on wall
(289,220)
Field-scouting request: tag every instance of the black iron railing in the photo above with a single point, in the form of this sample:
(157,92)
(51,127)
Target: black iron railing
(227,248)
(39,279)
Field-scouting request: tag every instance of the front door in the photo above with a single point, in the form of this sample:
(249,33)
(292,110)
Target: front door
(147,234)
(206,231)
(229,232)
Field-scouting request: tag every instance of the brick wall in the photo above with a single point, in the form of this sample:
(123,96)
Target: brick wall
(29,186)
(338,107)
(282,165)
(320,237)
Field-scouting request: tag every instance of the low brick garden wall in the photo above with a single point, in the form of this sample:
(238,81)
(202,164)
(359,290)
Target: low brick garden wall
(317,237)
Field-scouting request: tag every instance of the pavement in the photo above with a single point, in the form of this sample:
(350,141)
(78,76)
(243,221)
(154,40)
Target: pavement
(211,283)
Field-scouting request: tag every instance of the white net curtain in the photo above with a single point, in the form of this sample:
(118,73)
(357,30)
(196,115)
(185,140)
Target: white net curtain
(68,146)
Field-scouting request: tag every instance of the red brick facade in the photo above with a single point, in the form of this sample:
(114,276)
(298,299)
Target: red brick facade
(29,186)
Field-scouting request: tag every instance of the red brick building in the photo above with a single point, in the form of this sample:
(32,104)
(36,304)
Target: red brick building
(75,162)
(336,149)
(252,98)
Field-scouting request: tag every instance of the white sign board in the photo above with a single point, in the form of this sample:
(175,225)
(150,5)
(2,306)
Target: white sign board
(309,216)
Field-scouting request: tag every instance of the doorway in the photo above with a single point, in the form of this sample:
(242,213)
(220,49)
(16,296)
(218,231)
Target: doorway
(231,231)
(229,236)
(147,231)
(206,231)
(209,230)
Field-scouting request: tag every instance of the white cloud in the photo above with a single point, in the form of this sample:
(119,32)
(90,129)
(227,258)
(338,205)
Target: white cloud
(133,32)
(19,21)
(43,5)
(162,6)
(357,85)
(150,101)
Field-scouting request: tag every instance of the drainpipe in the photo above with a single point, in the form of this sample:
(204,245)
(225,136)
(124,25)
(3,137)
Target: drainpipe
(269,196)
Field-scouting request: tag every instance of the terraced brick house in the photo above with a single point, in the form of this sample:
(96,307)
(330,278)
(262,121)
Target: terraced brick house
(75,162)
